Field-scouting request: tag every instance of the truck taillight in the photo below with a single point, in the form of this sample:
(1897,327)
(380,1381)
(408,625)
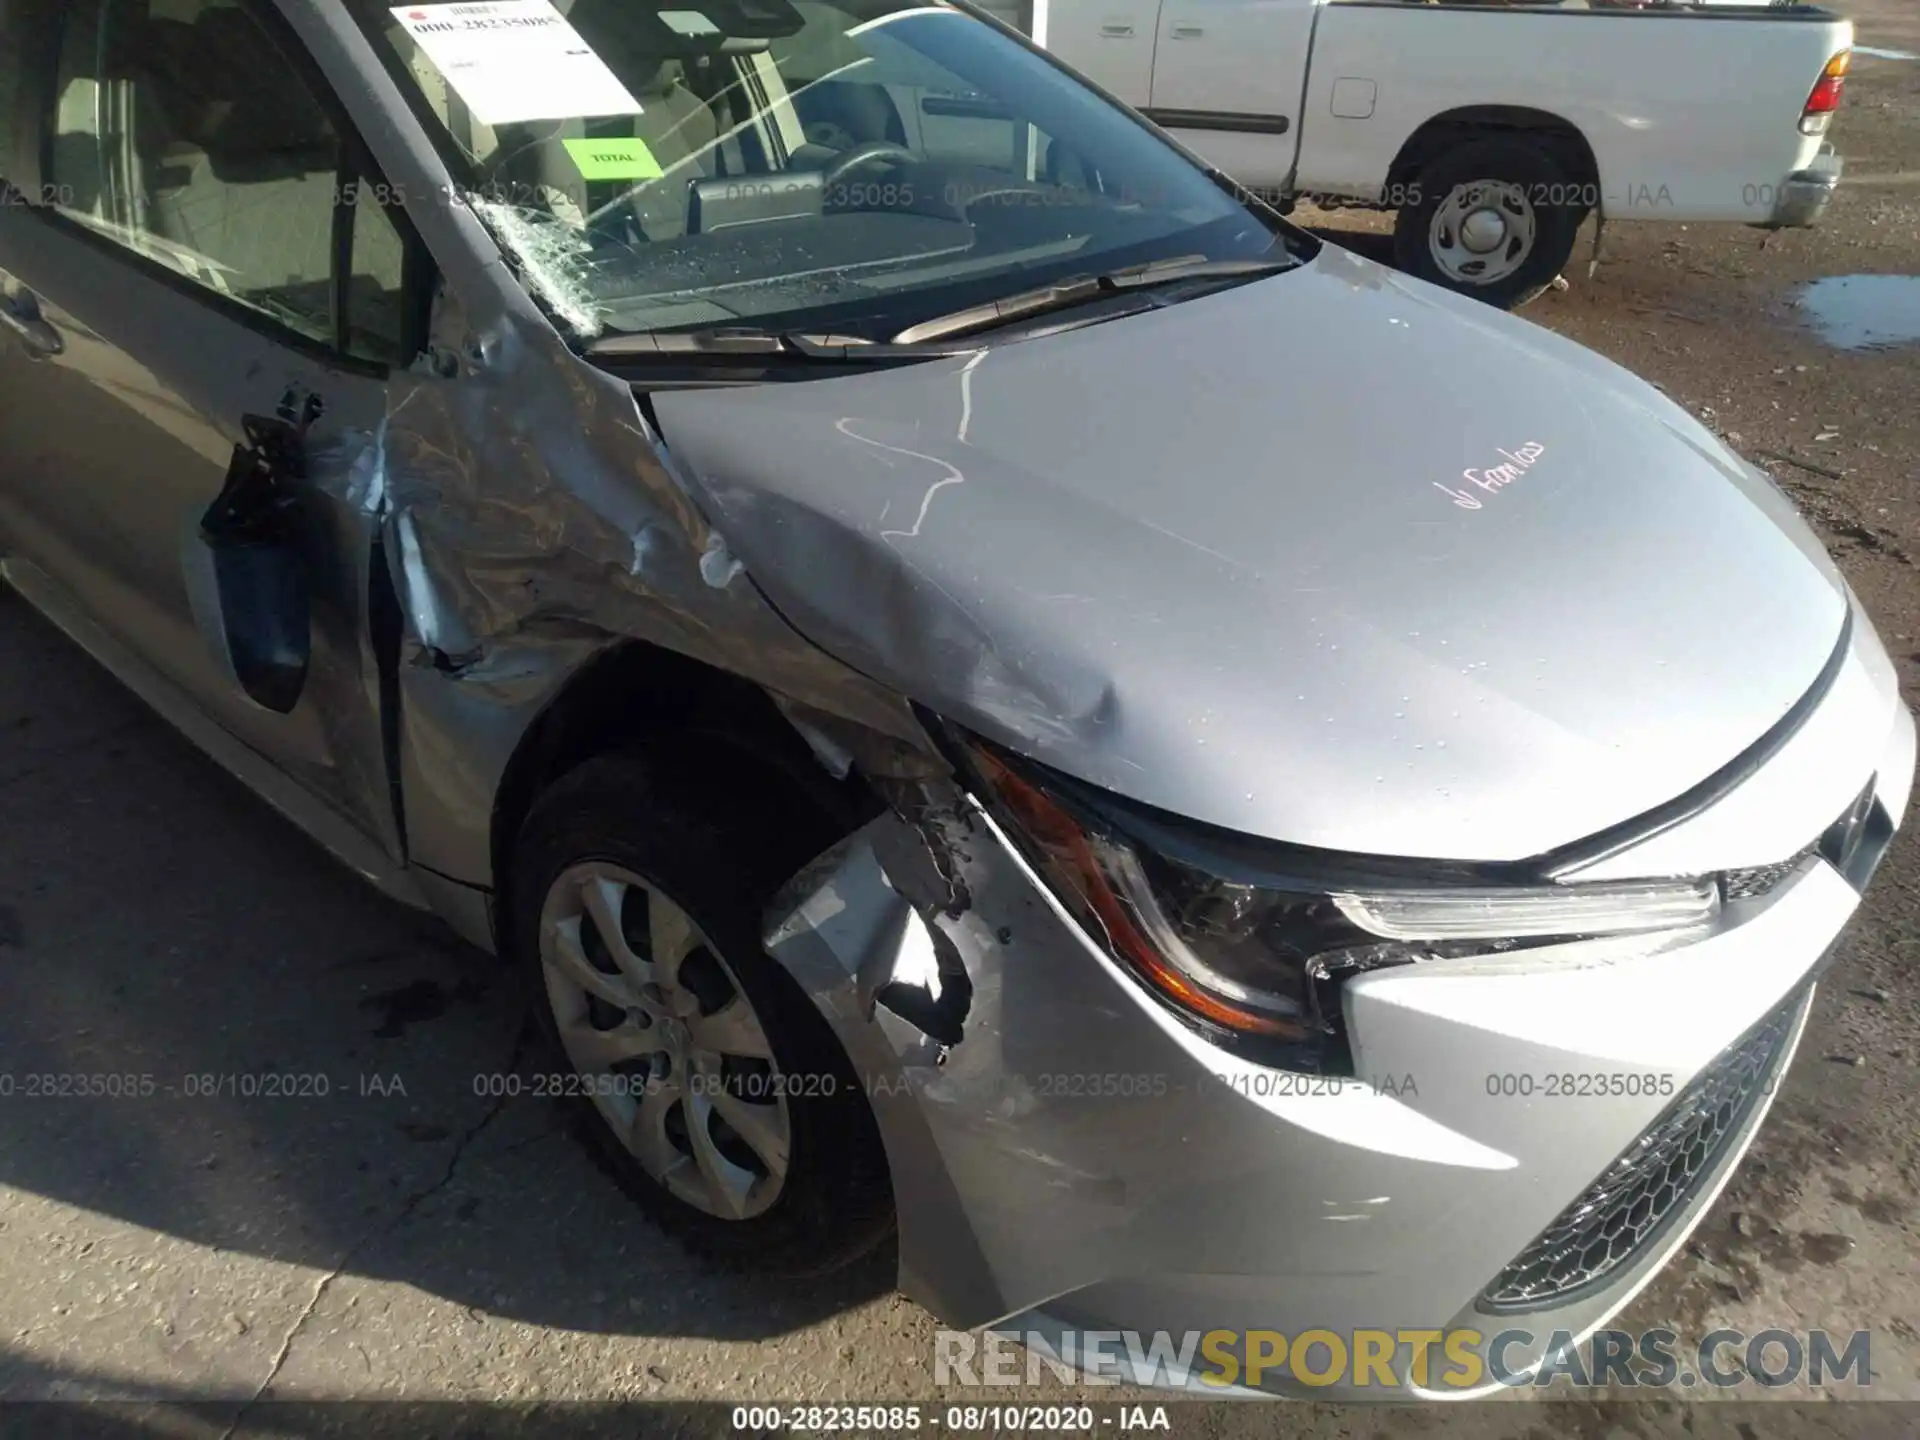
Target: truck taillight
(1817,114)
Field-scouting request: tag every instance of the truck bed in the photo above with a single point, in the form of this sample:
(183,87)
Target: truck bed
(1679,128)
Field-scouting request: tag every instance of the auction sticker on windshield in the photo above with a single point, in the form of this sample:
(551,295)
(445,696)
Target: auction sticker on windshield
(515,60)
(613,159)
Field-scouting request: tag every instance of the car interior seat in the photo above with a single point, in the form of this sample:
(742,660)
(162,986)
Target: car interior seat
(238,171)
(679,128)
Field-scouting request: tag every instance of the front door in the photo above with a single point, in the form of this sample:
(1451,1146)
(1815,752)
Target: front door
(1229,77)
(206,300)
(1108,41)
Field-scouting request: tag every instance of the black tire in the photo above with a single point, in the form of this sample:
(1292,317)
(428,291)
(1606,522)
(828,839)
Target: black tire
(1544,186)
(719,860)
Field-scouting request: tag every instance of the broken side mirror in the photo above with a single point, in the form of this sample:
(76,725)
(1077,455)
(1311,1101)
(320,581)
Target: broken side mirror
(246,574)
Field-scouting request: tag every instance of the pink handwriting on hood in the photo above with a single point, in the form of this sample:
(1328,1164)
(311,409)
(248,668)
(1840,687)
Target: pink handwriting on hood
(1494,478)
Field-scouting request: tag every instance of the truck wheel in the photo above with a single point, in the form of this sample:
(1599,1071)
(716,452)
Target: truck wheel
(701,1075)
(1494,218)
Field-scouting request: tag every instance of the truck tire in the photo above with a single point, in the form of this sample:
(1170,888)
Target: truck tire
(1493,218)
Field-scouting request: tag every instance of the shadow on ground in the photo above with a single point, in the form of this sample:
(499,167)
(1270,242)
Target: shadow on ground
(210,1031)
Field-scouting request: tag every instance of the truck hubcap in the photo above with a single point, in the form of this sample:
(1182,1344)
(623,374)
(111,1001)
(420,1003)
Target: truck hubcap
(1482,233)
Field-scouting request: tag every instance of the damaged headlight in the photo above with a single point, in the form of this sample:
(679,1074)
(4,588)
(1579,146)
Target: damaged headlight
(1253,949)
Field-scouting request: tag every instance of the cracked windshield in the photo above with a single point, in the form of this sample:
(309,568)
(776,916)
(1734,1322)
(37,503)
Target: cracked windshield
(859,166)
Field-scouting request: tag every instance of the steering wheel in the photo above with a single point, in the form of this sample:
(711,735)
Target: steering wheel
(864,154)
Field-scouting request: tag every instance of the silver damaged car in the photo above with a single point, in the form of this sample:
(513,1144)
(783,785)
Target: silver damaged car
(1003,700)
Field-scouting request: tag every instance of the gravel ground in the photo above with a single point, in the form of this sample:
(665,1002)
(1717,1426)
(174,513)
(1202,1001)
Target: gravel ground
(403,1236)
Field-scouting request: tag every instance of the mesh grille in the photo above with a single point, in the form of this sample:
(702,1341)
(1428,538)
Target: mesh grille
(1631,1203)
(1836,845)
(1759,879)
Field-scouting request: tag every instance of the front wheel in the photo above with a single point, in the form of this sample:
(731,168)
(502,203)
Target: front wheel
(1493,218)
(701,1073)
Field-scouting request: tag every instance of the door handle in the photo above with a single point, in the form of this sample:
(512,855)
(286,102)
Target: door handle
(1186,32)
(20,313)
(1117,32)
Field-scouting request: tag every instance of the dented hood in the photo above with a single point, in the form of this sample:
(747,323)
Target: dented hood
(1334,558)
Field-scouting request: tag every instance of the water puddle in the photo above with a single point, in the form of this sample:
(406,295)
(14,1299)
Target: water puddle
(1865,312)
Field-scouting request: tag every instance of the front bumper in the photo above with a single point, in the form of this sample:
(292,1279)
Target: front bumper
(1804,195)
(1068,1155)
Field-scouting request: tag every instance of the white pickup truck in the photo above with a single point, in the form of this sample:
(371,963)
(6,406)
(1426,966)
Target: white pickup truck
(1492,129)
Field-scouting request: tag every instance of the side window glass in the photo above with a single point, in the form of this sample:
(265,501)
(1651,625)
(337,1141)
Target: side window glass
(376,280)
(182,131)
(12,57)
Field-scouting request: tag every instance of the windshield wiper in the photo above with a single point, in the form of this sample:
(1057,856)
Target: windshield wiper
(1080,289)
(917,342)
(748,342)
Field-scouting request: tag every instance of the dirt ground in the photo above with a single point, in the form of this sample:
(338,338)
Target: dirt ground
(403,1235)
